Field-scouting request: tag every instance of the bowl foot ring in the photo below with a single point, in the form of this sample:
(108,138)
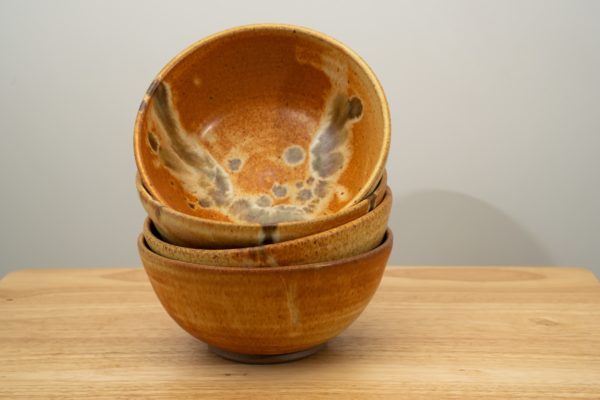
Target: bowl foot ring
(266,358)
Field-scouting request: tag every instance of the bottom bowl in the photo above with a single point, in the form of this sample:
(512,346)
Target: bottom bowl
(269,314)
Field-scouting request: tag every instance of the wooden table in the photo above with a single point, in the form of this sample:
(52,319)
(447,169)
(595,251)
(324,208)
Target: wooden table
(429,333)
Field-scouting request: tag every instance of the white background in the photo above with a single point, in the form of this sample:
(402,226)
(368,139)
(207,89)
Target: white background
(495,105)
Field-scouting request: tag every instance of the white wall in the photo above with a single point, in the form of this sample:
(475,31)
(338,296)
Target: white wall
(496,122)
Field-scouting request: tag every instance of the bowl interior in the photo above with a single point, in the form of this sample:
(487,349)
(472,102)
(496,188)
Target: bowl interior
(262,124)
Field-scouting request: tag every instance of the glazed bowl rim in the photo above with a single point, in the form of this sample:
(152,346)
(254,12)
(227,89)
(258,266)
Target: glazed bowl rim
(145,252)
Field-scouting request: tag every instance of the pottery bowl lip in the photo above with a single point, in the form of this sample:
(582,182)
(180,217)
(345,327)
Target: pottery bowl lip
(147,253)
(370,183)
(143,191)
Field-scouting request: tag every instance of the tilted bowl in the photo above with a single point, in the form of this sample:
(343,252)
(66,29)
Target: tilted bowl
(263,124)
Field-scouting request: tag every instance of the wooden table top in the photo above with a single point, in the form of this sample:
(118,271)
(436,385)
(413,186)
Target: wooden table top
(429,333)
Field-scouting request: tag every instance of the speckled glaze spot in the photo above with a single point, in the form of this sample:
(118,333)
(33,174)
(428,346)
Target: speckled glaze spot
(304,195)
(279,190)
(309,208)
(205,203)
(264,201)
(341,192)
(234,164)
(293,155)
(321,189)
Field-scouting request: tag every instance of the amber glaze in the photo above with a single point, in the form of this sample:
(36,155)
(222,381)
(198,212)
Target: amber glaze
(263,124)
(266,310)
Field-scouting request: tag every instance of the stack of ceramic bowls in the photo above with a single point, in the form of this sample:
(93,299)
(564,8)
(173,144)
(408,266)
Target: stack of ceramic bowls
(261,154)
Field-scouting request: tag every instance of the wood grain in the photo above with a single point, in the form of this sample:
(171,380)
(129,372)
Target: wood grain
(429,333)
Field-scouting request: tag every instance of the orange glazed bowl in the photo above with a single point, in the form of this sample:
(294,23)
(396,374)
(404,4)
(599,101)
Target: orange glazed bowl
(263,124)
(264,315)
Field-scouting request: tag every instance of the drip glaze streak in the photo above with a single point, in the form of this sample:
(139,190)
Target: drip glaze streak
(206,180)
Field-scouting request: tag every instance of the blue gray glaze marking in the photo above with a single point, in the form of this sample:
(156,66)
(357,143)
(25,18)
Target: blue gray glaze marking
(203,177)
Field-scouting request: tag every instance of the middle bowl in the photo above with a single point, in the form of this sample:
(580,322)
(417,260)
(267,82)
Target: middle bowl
(264,124)
(191,231)
(352,238)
